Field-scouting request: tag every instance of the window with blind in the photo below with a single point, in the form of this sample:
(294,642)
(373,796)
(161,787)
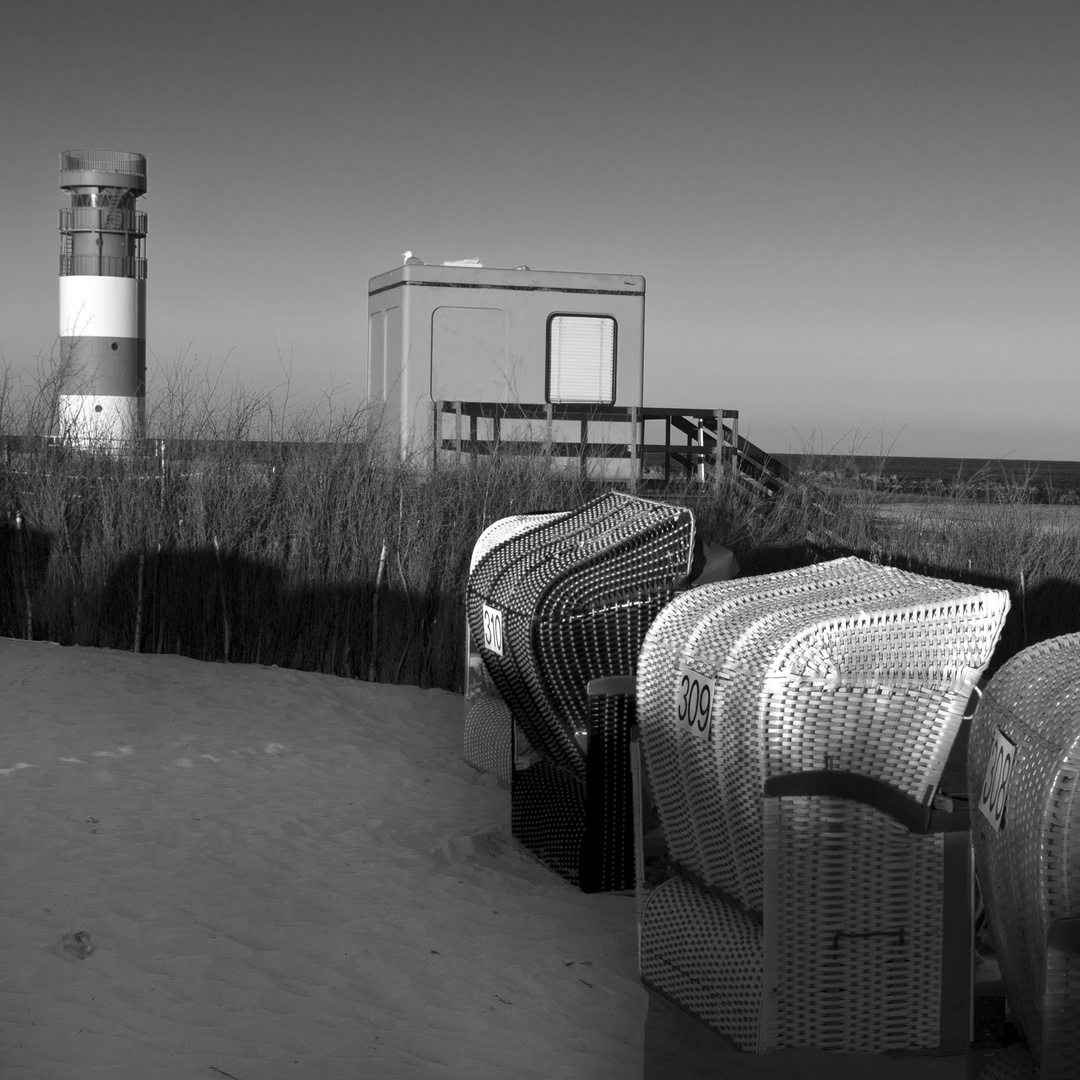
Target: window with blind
(581,359)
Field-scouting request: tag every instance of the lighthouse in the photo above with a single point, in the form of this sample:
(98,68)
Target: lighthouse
(102,297)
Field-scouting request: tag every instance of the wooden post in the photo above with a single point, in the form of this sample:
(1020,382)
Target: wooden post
(436,413)
(734,443)
(637,789)
(718,472)
(457,432)
(22,550)
(584,451)
(667,453)
(634,449)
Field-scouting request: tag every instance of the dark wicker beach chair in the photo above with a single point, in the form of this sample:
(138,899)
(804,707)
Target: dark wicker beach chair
(1024,777)
(553,606)
(795,728)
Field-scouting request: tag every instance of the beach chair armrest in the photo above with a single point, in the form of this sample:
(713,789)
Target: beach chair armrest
(910,813)
(1064,934)
(613,685)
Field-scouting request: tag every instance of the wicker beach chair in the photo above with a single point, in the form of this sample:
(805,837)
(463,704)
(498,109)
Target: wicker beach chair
(1024,777)
(795,728)
(551,608)
(488,722)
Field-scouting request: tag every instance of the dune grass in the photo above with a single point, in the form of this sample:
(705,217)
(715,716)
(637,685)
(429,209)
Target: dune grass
(244,532)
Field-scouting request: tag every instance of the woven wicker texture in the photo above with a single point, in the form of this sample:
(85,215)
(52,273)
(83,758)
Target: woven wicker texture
(1029,871)
(547,814)
(607,854)
(584,831)
(488,741)
(1013,1063)
(576,594)
(854,910)
(844,667)
(503,529)
(706,955)
(488,737)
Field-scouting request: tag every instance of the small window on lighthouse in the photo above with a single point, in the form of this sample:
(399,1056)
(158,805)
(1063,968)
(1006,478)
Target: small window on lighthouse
(581,359)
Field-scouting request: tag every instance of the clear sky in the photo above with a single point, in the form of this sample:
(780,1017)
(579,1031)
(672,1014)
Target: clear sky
(850,215)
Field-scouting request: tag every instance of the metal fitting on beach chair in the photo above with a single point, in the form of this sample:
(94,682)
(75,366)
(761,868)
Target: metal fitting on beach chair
(795,730)
(551,608)
(1024,779)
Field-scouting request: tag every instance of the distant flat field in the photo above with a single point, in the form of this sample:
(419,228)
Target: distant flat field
(1044,516)
(1061,476)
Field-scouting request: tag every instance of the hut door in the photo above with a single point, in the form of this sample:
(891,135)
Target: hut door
(469,355)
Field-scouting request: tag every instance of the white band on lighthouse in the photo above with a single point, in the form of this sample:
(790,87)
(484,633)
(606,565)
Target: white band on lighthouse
(106,307)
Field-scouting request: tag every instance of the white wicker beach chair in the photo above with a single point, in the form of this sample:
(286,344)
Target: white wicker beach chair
(552,608)
(795,728)
(1024,772)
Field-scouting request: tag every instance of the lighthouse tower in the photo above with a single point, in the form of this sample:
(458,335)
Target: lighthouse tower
(102,297)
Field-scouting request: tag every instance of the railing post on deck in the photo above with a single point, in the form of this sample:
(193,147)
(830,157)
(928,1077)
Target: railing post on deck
(457,432)
(735,461)
(721,465)
(436,431)
(634,441)
(667,449)
(701,446)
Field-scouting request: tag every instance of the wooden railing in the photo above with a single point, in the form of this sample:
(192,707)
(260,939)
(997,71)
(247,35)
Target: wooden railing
(689,445)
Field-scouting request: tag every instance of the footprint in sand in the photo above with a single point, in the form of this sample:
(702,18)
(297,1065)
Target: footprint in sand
(124,751)
(16,767)
(187,763)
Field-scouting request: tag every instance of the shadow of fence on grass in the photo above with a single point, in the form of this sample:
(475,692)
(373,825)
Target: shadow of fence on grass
(24,565)
(220,606)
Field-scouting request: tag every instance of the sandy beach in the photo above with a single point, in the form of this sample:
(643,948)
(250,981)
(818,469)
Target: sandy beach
(281,875)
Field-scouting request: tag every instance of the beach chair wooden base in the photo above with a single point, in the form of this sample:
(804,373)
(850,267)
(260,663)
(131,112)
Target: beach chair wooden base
(679,1045)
